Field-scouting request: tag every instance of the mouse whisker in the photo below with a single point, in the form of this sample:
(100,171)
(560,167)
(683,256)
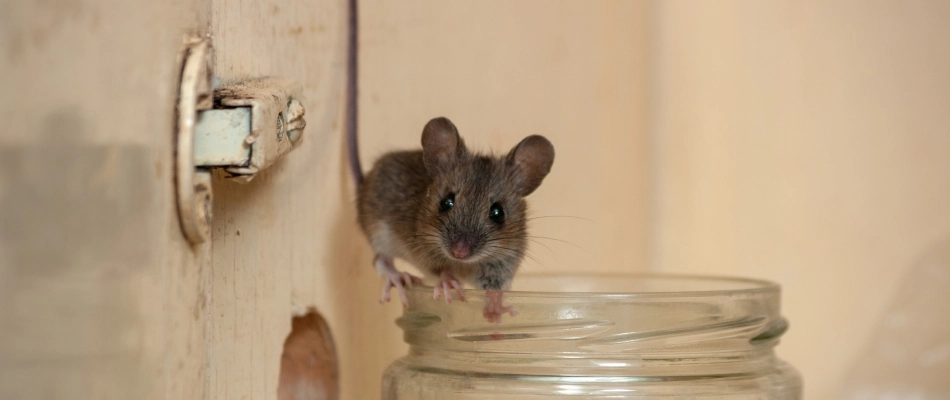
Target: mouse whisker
(516,236)
(529,238)
(559,216)
(532,258)
(543,245)
(519,254)
(428,249)
(444,226)
(428,239)
(562,241)
(429,255)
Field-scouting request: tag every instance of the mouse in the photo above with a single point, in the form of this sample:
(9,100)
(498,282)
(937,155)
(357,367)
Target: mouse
(457,215)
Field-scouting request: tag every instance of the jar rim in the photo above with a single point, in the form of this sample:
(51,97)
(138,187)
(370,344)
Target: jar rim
(643,285)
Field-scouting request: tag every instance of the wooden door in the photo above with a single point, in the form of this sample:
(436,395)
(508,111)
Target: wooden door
(100,295)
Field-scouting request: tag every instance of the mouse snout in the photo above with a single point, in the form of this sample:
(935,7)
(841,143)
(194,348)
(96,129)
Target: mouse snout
(461,249)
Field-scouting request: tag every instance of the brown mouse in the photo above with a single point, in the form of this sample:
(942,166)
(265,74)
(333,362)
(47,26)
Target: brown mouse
(454,214)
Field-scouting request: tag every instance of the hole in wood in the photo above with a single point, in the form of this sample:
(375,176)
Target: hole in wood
(308,367)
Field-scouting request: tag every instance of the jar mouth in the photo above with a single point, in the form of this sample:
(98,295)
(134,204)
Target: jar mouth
(636,285)
(591,320)
(589,330)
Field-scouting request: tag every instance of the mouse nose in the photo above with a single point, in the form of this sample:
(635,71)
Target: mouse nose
(461,249)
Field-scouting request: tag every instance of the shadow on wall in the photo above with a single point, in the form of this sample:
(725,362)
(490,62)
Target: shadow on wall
(909,355)
(309,369)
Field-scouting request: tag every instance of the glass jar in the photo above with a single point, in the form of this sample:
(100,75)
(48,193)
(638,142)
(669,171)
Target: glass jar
(597,337)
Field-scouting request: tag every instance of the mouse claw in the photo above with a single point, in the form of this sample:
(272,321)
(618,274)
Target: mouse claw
(446,284)
(399,281)
(458,288)
(402,297)
(386,287)
(442,288)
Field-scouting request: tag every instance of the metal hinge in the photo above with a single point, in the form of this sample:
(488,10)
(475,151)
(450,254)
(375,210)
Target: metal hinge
(254,123)
(241,128)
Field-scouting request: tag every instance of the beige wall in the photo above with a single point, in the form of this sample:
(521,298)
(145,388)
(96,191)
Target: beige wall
(804,142)
(808,143)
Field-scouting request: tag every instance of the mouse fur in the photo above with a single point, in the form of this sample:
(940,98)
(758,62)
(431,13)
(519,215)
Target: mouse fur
(453,213)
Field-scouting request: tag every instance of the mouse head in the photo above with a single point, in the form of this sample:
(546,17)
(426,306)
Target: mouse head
(478,200)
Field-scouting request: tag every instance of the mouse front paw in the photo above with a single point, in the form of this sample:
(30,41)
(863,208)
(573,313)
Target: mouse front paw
(495,307)
(446,283)
(399,281)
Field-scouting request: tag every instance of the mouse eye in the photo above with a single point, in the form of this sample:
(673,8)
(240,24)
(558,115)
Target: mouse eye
(496,214)
(447,203)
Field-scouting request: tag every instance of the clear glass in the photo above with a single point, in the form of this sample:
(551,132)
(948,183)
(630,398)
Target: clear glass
(598,337)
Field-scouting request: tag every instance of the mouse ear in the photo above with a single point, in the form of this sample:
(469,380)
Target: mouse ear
(529,162)
(441,145)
